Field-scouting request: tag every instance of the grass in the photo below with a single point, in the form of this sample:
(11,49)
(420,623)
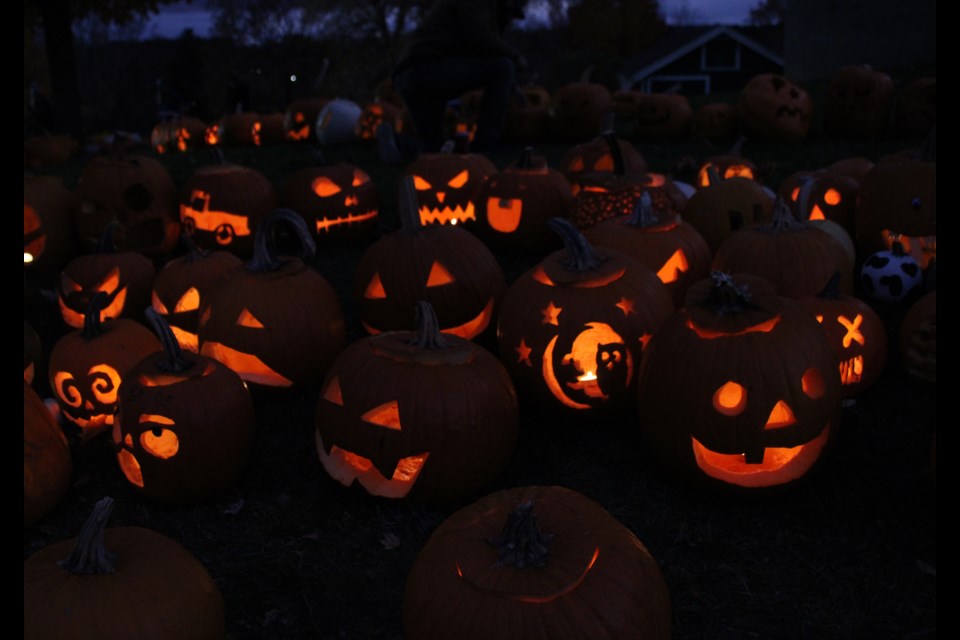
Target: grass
(849,553)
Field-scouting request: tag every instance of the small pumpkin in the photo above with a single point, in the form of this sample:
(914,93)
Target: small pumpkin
(300,118)
(891,275)
(47,463)
(67,585)
(337,121)
(775,109)
(420,415)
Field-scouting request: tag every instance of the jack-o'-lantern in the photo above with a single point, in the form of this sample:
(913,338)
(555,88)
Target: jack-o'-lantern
(276,322)
(88,365)
(518,201)
(211,135)
(571,331)
(661,116)
(898,201)
(338,202)
(135,191)
(724,207)
(49,220)
(918,340)
(798,258)
(336,122)
(267,130)
(222,205)
(602,196)
(660,240)
(578,109)
(544,559)
(300,118)
(437,422)
(125,277)
(730,165)
(599,155)
(444,265)
(373,115)
(236,129)
(856,333)
(830,196)
(753,385)
(858,102)
(460,116)
(915,112)
(448,185)
(715,122)
(185,423)
(66,585)
(775,109)
(891,275)
(47,464)
(528,115)
(184,283)
(182,134)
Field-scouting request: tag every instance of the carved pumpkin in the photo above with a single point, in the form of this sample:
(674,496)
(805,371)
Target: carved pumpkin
(185,424)
(438,421)
(518,201)
(855,331)
(578,110)
(918,340)
(448,186)
(572,330)
(236,129)
(599,156)
(544,559)
(267,130)
(444,265)
(184,283)
(662,116)
(135,191)
(659,240)
(300,118)
(222,205)
(47,464)
(727,206)
(775,109)
(715,122)
(88,365)
(891,275)
(830,196)
(49,223)
(338,202)
(276,322)
(34,362)
(750,408)
(336,122)
(125,277)
(66,584)
(730,165)
(183,134)
(373,115)
(799,259)
(858,102)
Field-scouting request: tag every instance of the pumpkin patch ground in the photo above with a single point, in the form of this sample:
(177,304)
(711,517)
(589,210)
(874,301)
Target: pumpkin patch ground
(847,552)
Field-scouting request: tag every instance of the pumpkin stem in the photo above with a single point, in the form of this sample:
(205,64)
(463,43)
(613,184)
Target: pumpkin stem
(783,218)
(832,290)
(713,176)
(643,215)
(428,335)
(580,256)
(618,166)
(264,253)
(526,159)
(607,122)
(89,557)
(108,242)
(175,361)
(726,296)
(92,326)
(194,252)
(737,148)
(409,206)
(521,543)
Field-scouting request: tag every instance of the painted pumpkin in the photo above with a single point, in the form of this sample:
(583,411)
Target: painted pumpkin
(572,330)
(66,584)
(185,424)
(448,186)
(891,275)
(49,223)
(660,240)
(444,265)
(221,206)
(518,201)
(775,109)
(338,202)
(544,559)
(184,283)
(47,464)
(855,331)
(87,367)
(748,409)
(437,422)
(858,102)
(276,321)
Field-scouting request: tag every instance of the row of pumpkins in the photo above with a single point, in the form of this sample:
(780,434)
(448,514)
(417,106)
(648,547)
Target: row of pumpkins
(859,103)
(737,384)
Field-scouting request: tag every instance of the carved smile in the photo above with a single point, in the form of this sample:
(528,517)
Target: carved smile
(447,215)
(347,467)
(326,225)
(247,366)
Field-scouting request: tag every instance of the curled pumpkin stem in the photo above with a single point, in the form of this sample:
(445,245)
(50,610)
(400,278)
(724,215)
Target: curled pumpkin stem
(643,215)
(580,256)
(264,254)
(92,326)
(428,335)
(89,556)
(175,362)
(521,543)
(727,296)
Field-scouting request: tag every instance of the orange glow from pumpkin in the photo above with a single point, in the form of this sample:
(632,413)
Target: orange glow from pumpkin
(551,313)
(604,163)
(167,379)
(247,366)
(584,358)
(346,467)
(255,132)
(420,184)
(158,441)
(503,214)
(709,334)
(447,215)
(475,326)
(626,305)
(212,137)
(386,415)
(247,319)
(778,466)
(853,333)
(374,288)
(187,339)
(539,275)
(523,353)
(439,275)
(359,178)
(326,224)
(189,301)
(672,269)
(224,224)
(332,392)
(730,399)
(851,370)
(813,384)
(832,197)
(324,187)
(130,467)
(780,416)
(550,597)
(816,213)
(457,181)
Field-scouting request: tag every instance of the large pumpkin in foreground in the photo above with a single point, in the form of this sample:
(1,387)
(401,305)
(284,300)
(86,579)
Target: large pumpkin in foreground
(740,389)
(537,562)
(47,464)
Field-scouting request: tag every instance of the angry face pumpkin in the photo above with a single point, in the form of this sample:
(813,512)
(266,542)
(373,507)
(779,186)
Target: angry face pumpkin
(338,202)
(448,186)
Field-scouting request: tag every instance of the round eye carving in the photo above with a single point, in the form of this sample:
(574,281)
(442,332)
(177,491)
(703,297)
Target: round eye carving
(813,384)
(325,187)
(832,197)
(730,399)
(159,442)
